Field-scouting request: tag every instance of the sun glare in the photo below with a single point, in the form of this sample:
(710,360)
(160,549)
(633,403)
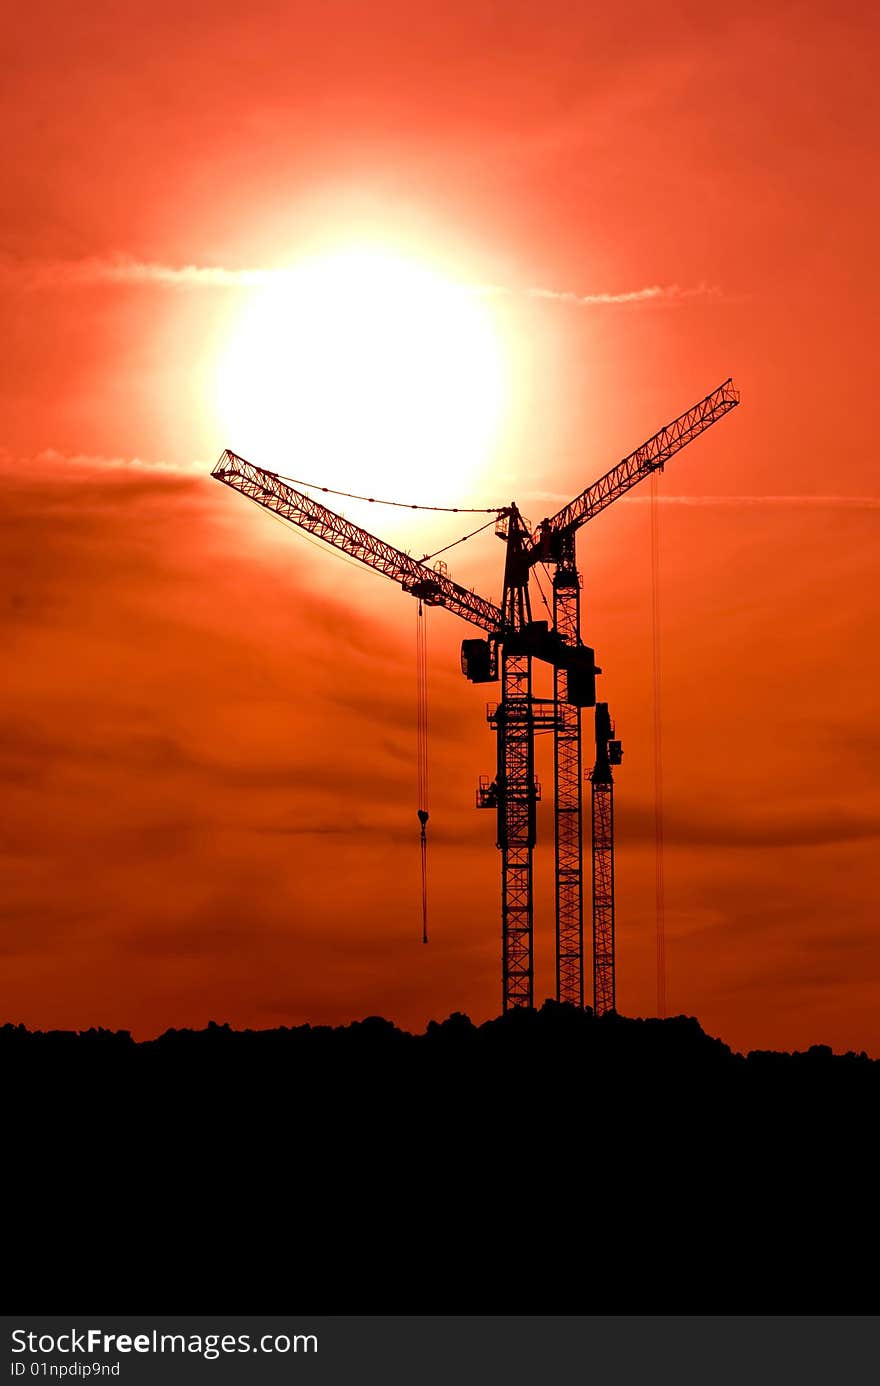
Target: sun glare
(368,372)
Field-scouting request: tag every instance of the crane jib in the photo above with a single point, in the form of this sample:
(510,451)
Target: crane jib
(650,457)
(268,490)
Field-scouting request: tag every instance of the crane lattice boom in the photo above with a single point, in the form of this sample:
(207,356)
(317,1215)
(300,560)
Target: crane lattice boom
(436,589)
(650,457)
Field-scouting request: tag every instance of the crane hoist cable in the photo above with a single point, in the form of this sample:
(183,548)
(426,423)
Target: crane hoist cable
(659,884)
(422,754)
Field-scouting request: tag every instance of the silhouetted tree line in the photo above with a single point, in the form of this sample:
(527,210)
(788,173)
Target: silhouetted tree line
(546,1161)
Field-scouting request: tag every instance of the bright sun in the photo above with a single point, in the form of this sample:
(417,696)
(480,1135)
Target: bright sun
(368,372)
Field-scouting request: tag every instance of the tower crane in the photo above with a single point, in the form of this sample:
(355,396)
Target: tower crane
(512,640)
(554,543)
(608,753)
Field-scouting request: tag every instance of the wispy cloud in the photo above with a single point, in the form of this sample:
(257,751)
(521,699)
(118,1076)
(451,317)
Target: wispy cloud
(96,271)
(793,502)
(50,458)
(744,502)
(654,293)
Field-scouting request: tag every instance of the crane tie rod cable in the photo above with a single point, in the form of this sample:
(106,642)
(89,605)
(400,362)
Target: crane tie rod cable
(428,556)
(401,505)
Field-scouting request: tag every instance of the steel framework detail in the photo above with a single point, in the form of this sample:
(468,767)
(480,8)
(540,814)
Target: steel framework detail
(608,753)
(568,792)
(514,723)
(650,457)
(275,494)
(603,897)
(515,727)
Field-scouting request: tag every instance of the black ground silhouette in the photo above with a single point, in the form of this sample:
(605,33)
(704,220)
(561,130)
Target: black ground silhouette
(547,1161)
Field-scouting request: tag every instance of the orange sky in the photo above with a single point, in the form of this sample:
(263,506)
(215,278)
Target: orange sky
(208,739)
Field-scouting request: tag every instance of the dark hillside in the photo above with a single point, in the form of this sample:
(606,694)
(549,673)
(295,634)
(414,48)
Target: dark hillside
(543,1162)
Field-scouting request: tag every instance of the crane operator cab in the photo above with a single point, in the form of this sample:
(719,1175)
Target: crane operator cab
(479,660)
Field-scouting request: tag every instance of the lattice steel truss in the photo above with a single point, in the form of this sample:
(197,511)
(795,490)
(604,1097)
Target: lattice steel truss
(514,723)
(431,586)
(652,456)
(604,986)
(608,753)
(568,792)
(515,726)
